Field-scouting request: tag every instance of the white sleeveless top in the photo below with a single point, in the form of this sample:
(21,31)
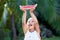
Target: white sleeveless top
(31,36)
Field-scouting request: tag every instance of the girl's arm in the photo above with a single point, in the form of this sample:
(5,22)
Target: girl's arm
(35,20)
(24,25)
(24,22)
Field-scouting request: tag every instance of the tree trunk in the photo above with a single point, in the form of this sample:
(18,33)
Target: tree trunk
(13,29)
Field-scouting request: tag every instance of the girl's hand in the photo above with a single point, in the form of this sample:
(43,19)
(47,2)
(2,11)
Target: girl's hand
(32,9)
(24,10)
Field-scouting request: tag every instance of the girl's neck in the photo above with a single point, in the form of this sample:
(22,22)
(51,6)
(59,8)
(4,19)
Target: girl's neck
(31,30)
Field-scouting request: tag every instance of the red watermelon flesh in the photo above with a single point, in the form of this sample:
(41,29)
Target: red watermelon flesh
(27,7)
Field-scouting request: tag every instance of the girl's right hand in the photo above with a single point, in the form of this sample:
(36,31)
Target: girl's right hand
(24,10)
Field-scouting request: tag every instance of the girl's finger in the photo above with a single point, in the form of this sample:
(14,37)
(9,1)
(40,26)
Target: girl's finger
(35,5)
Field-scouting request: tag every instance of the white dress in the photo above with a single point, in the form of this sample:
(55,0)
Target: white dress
(31,36)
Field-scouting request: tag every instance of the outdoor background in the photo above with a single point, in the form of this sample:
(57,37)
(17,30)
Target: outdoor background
(47,13)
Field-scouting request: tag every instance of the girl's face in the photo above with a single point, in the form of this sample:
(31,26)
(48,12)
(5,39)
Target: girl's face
(30,23)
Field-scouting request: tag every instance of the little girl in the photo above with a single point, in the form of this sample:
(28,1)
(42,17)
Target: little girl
(31,28)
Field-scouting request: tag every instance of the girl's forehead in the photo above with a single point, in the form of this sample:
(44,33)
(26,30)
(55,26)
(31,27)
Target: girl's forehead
(30,19)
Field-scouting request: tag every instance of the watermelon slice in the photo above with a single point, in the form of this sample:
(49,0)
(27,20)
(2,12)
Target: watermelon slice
(28,6)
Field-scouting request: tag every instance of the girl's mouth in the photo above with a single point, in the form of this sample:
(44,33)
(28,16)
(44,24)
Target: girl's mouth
(30,25)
